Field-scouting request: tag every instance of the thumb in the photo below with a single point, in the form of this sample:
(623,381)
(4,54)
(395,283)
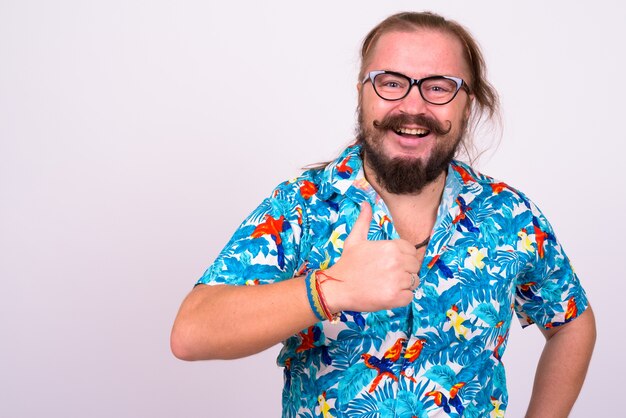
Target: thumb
(362,225)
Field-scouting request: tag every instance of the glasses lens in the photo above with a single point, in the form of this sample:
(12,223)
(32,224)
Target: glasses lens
(391,86)
(438,90)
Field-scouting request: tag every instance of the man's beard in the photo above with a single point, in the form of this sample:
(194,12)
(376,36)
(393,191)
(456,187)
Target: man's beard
(407,175)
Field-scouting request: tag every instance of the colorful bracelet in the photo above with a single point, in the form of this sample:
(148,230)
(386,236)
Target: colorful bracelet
(313,296)
(334,318)
(316,297)
(323,303)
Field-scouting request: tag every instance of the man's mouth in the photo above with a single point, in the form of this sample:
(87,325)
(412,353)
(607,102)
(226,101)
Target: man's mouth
(418,132)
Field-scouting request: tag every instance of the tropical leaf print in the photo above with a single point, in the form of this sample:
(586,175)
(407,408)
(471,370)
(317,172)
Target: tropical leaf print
(409,405)
(354,380)
(443,375)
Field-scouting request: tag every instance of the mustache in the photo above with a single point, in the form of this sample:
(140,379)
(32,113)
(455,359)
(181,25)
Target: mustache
(397,121)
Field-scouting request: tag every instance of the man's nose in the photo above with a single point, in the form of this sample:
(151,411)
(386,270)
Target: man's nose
(413,103)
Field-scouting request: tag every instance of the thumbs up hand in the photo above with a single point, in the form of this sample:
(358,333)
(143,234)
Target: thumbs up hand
(371,275)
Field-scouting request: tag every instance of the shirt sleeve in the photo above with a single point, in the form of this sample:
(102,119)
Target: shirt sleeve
(265,248)
(550,293)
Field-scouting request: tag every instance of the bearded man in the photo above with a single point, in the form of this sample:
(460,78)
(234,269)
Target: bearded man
(392,274)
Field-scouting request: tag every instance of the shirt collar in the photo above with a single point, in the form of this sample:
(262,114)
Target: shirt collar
(346,178)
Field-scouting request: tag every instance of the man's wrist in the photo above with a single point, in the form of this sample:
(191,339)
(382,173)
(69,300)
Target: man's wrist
(329,290)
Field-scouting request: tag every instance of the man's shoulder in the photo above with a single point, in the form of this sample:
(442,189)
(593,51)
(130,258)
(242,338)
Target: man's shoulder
(468,174)
(324,178)
(482,184)
(304,185)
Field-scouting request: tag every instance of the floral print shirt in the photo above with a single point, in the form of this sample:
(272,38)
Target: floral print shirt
(492,254)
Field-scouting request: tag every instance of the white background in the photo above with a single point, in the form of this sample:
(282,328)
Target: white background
(136,135)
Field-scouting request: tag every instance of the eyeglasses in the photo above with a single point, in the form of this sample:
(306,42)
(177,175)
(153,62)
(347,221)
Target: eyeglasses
(437,90)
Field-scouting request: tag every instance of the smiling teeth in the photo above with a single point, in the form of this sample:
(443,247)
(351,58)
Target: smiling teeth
(413,131)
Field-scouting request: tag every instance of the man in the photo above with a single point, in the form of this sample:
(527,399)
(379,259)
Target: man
(392,274)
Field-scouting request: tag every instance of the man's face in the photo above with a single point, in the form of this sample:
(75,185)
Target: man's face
(404,162)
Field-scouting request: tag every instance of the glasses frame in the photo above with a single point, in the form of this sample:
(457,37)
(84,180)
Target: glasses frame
(460,83)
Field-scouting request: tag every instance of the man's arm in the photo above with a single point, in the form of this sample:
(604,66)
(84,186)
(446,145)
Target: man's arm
(226,322)
(562,367)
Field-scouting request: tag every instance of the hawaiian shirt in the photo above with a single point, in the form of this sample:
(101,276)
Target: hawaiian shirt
(492,253)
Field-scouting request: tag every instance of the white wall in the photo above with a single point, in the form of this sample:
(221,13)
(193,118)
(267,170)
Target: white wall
(126,161)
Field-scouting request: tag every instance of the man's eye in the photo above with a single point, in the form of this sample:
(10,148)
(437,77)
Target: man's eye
(439,89)
(391,84)
(439,86)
